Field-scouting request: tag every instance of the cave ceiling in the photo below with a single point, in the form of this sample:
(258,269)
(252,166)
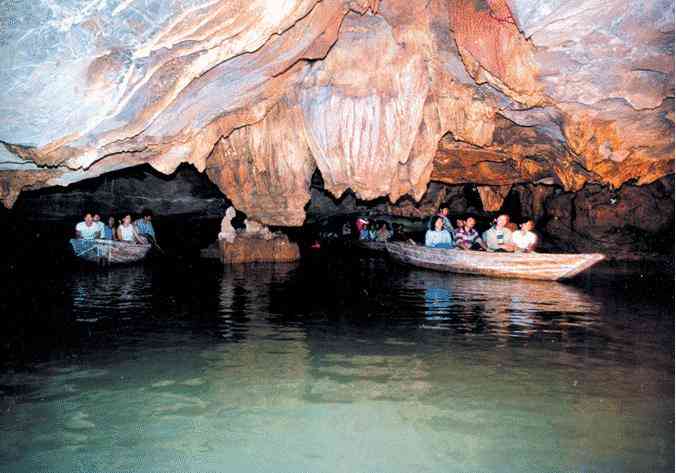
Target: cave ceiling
(380,96)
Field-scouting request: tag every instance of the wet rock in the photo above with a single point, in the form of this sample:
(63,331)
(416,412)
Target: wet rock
(255,249)
(624,223)
(380,96)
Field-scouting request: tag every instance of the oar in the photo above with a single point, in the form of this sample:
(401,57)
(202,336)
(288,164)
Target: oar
(154,243)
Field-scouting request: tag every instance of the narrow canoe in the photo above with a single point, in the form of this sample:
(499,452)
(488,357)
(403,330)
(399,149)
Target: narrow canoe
(371,245)
(109,251)
(546,266)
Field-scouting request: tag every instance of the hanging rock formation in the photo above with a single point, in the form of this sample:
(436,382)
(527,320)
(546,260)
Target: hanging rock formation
(380,96)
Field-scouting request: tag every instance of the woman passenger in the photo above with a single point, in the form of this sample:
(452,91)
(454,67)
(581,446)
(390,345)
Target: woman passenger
(127,232)
(109,231)
(438,237)
(525,239)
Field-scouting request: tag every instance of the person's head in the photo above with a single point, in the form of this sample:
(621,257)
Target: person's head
(97,218)
(443,211)
(528,226)
(502,221)
(438,224)
(147,215)
(88,218)
(459,223)
(126,220)
(383,226)
(111,221)
(470,223)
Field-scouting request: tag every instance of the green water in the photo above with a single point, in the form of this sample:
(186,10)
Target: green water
(339,366)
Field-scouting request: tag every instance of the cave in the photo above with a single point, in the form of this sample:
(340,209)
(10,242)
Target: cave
(337,235)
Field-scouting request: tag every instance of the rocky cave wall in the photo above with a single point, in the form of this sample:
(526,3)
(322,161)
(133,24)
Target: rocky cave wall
(626,223)
(381,97)
(185,192)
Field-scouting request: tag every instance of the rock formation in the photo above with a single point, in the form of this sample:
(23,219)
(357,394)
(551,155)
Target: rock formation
(256,244)
(381,96)
(227,232)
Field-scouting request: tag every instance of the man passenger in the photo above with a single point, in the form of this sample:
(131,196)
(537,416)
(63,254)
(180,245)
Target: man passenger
(87,229)
(467,238)
(499,237)
(144,225)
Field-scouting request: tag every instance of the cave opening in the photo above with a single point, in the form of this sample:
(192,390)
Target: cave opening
(187,208)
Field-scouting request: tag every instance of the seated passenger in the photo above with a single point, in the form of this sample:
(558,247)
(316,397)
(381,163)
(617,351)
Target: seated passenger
(439,237)
(363,228)
(127,232)
(525,239)
(499,237)
(109,230)
(373,231)
(383,233)
(144,225)
(443,214)
(87,229)
(467,238)
(99,223)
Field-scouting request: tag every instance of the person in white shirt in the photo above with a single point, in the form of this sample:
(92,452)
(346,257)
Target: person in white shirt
(127,232)
(499,237)
(87,229)
(525,240)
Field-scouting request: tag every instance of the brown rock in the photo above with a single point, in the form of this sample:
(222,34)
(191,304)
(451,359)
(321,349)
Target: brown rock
(265,168)
(380,96)
(250,249)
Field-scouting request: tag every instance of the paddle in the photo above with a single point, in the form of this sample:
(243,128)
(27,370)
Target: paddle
(155,245)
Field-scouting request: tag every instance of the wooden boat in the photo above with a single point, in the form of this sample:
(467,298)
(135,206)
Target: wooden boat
(547,266)
(378,246)
(109,251)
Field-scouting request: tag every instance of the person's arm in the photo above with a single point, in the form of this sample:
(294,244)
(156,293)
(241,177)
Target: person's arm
(532,246)
(507,241)
(137,237)
(78,235)
(119,233)
(428,238)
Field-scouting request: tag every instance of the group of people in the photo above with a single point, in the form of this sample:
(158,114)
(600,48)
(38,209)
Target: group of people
(139,231)
(502,236)
(372,231)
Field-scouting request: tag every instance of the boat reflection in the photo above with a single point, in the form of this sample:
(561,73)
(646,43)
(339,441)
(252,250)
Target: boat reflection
(512,307)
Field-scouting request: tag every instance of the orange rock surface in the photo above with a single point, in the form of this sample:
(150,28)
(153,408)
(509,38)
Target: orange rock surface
(381,96)
(249,249)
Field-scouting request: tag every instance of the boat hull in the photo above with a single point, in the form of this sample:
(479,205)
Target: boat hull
(109,251)
(539,266)
(378,246)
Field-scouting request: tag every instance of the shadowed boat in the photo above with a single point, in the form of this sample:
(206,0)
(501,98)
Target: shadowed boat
(371,245)
(546,266)
(109,251)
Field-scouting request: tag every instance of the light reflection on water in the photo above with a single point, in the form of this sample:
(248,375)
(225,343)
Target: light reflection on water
(375,368)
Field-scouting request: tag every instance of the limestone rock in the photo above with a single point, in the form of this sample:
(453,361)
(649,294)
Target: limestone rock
(253,250)
(380,96)
(227,232)
(254,229)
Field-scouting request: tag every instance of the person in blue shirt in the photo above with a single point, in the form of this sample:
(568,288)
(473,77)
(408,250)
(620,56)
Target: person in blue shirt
(439,237)
(144,225)
(109,230)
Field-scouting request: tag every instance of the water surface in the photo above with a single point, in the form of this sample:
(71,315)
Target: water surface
(338,363)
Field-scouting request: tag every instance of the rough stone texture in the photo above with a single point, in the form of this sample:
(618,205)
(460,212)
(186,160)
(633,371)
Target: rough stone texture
(265,168)
(381,96)
(184,192)
(251,249)
(633,220)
